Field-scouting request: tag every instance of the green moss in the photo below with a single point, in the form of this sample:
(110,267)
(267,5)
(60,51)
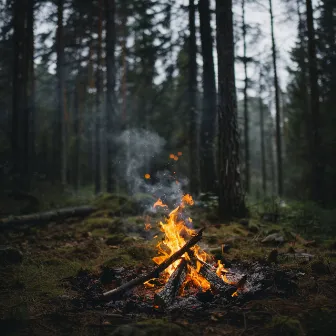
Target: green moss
(141,252)
(115,239)
(34,283)
(284,325)
(152,327)
(83,252)
(160,327)
(96,223)
(117,204)
(131,255)
(99,233)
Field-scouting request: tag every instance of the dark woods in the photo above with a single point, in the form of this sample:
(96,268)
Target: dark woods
(76,75)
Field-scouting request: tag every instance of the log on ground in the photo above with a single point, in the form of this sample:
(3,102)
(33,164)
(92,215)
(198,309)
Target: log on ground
(45,217)
(167,294)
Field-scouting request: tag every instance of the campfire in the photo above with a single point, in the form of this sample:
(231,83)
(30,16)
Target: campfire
(181,263)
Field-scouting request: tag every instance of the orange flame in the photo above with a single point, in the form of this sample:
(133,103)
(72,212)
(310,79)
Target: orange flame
(159,203)
(176,234)
(147,176)
(148,226)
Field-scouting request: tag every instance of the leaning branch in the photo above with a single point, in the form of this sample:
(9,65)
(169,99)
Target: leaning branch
(118,292)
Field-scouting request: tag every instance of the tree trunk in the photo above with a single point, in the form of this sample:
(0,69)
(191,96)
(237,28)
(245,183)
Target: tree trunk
(59,141)
(262,137)
(271,156)
(193,141)
(76,168)
(30,140)
(98,105)
(277,106)
(207,160)
(231,199)
(23,98)
(17,97)
(246,116)
(316,157)
(110,113)
(303,65)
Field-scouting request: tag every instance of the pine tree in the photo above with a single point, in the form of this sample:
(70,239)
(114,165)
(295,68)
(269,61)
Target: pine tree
(231,199)
(207,162)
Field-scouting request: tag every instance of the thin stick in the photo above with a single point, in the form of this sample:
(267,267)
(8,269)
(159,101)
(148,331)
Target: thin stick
(118,292)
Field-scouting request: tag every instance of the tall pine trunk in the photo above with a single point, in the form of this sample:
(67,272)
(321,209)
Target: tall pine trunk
(246,113)
(231,198)
(193,141)
(262,137)
(76,133)
(59,137)
(31,108)
(23,98)
(316,157)
(110,108)
(303,66)
(98,104)
(207,160)
(17,96)
(277,105)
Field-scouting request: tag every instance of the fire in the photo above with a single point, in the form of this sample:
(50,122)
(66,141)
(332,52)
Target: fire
(176,234)
(148,226)
(160,204)
(147,176)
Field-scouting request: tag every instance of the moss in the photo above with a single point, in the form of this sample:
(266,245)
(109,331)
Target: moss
(160,327)
(119,257)
(33,284)
(115,239)
(87,251)
(284,325)
(253,227)
(141,252)
(117,204)
(96,223)
(99,233)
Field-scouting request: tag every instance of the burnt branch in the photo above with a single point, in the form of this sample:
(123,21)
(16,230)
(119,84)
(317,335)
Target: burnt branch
(118,292)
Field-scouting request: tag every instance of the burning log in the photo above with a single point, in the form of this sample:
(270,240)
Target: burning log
(118,292)
(209,273)
(167,295)
(45,217)
(216,283)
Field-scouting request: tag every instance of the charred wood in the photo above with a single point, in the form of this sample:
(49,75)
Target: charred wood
(209,273)
(168,293)
(118,292)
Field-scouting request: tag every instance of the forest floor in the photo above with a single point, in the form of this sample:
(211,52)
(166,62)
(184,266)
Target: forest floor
(37,299)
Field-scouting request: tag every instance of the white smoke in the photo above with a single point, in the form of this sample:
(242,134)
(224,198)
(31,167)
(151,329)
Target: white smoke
(138,147)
